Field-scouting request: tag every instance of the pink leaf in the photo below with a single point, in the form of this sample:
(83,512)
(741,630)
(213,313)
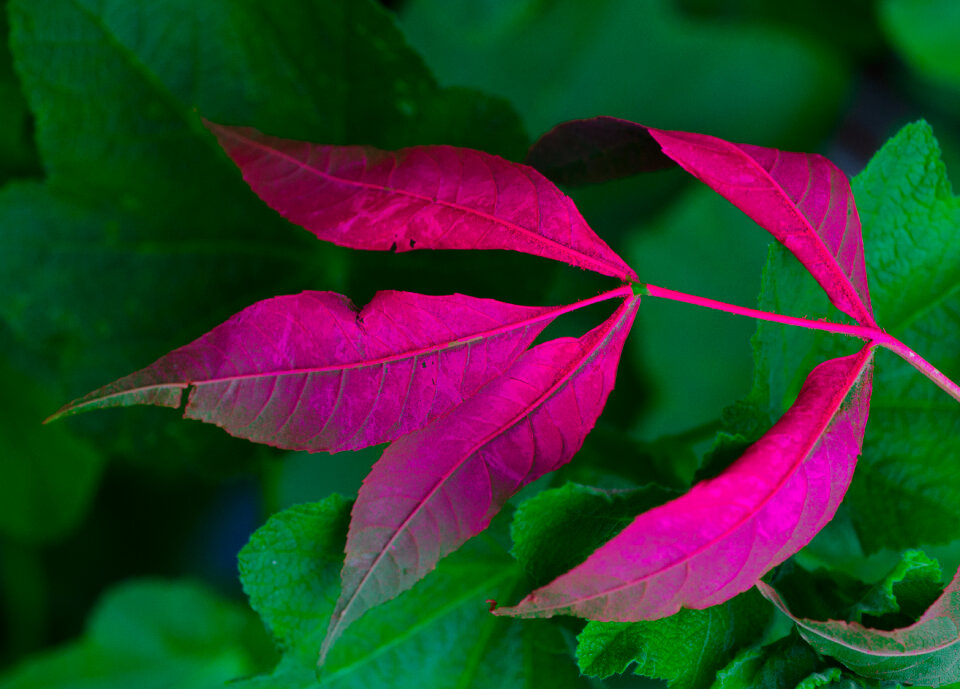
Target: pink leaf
(717,540)
(426,197)
(311,372)
(434,489)
(802,199)
(925,653)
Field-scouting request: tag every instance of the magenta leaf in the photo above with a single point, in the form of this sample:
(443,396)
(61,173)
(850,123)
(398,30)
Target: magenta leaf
(311,372)
(717,540)
(802,199)
(425,197)
(925,653)
(437,487)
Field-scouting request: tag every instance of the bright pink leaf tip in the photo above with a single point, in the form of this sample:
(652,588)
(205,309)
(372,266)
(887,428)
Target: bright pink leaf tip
(311,372)
(717,540)
(425,197)
(437,487)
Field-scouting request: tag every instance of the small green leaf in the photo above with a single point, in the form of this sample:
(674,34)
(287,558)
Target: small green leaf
(788,663)
(558,529)
(908,590)
(686,649)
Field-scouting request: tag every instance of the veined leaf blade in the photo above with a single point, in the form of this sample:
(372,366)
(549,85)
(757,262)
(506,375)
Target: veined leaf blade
(425,197)
(311,372)
(717,540)
(434,489)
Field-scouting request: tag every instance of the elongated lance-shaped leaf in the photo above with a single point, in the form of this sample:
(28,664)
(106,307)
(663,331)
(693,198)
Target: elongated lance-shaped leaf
(715,542)
(425,197)
(925,653)
(434,489)
(802,199)
(312,372)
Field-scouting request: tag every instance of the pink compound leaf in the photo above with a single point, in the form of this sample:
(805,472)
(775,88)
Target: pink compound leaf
(716,541)
(425,197)
(926,653)
(437,487)
(311,372)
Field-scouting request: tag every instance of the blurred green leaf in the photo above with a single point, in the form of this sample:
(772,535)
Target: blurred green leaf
(699,361)
(48,475)
(563,60)
(17,153)
(852,27)
(152,635)
(437,631)
(143,236)
(925,34)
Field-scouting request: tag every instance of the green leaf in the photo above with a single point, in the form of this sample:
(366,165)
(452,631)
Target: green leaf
(783,664)
(789,663)
(152,635)
(909,629)
(906,490)
(438,634)
(557,529)
(686,649)
(47,475)
(564,60)
(17,153)
(908,590)
(925,34)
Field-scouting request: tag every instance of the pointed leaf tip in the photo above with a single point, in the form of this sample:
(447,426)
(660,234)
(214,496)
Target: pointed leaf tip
(425,197)
(312,372)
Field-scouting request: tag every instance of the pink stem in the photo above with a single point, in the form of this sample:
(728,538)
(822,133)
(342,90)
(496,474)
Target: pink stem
(919,363)
(863,332)
(876,336)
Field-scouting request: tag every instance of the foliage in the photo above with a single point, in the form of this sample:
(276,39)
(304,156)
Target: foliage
(140,237)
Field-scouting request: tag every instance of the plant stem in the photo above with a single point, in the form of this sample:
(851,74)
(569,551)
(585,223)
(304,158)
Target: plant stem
(863,332)
(874,335)
(918,362)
